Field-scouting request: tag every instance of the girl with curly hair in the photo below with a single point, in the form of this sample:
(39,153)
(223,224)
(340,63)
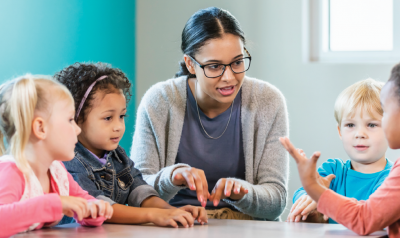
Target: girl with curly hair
(101,166)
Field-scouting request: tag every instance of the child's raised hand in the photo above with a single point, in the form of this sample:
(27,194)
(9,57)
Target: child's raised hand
(171,217)
(77,205)
(301,209)
(99,208)
(314,184)
(227,188)
(198,213)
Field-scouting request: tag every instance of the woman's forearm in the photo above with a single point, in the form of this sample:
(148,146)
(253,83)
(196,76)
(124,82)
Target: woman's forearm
(269,195)
(162,182)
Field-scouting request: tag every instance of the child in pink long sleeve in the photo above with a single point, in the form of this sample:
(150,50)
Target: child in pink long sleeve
(36,121)
(382,209)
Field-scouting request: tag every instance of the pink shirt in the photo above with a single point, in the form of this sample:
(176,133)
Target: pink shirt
(381,210)
(16,216)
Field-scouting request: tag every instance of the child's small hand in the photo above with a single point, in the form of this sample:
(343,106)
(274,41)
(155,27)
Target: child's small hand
(227,188)
(312,182)
(99,208)
(171,217)
(71,205)
(198,213)
(301,209)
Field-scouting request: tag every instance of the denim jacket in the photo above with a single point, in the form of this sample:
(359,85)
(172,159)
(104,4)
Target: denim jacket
(118,181)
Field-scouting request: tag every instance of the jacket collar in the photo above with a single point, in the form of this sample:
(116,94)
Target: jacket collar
(82,154)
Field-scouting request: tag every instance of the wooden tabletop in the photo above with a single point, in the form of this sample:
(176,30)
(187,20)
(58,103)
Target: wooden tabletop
(214,228)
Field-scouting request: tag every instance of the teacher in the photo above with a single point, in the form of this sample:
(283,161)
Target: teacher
(210,135)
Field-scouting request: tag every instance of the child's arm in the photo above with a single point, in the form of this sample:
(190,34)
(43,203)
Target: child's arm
(160,217)
(18,216)
(157,211)
(145,196)
(382,209)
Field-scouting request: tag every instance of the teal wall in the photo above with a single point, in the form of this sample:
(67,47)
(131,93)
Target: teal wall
(44,36)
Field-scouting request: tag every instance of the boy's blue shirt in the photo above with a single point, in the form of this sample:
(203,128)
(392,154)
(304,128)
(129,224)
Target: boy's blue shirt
(348,182)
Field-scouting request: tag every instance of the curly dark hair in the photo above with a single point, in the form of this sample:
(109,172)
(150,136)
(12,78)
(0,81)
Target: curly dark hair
(79,76)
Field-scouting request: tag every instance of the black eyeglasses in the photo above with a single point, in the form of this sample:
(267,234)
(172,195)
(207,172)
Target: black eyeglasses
(215,70)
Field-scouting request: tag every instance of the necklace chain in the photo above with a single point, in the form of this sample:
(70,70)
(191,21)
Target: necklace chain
(198,114)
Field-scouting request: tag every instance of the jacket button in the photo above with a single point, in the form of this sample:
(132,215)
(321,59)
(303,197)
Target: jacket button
(121,183)
(108,177)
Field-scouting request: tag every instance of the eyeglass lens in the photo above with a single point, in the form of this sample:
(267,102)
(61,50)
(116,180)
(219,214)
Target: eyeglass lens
(239,66)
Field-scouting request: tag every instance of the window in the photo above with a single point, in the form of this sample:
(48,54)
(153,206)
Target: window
(352,31)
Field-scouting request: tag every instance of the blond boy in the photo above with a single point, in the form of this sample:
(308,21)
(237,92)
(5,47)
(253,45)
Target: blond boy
(358,113)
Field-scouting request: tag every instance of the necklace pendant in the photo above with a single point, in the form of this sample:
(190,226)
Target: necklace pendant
(198,114)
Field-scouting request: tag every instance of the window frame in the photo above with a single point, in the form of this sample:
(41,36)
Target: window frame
(316,38)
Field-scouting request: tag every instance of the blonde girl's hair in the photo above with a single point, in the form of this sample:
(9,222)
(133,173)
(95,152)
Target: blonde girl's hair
(364,94)
(19,99)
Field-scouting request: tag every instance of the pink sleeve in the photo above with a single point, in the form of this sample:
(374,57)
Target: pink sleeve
(76,191)
(17,216)
(382,209)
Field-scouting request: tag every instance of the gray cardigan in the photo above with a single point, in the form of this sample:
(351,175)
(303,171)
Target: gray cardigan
(264,119)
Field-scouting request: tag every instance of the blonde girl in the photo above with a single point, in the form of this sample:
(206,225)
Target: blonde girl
(38,130)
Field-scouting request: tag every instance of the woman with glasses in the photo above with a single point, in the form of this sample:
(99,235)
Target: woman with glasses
(210,135)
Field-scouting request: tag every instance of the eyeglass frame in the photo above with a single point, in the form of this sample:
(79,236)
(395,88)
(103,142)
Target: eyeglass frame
(223,71)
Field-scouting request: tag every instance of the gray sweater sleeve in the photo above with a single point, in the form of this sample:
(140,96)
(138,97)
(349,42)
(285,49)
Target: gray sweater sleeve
(148,147)
(267,197)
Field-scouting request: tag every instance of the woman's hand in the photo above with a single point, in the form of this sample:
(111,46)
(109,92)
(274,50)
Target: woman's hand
(312,182)
(99,208)
(227,188)
(198,213)
(193,178)
(171,217)
(71,205)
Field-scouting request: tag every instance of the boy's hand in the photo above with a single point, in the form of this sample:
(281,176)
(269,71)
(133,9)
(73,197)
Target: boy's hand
(227,188)
(312,182)
(99,208)
(194,179)
(198,213)
(301,209)
(171,217)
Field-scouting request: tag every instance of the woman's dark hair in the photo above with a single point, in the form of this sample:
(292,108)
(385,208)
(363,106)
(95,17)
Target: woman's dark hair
(206,24)
(79,76)
(395,77)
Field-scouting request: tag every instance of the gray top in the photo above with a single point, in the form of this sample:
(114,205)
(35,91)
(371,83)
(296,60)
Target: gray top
(264,119)
(214,229)
(220,158)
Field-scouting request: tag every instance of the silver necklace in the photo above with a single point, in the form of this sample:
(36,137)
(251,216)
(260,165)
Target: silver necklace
(198,114)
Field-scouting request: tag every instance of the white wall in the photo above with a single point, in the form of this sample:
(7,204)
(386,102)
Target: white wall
(274,35)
